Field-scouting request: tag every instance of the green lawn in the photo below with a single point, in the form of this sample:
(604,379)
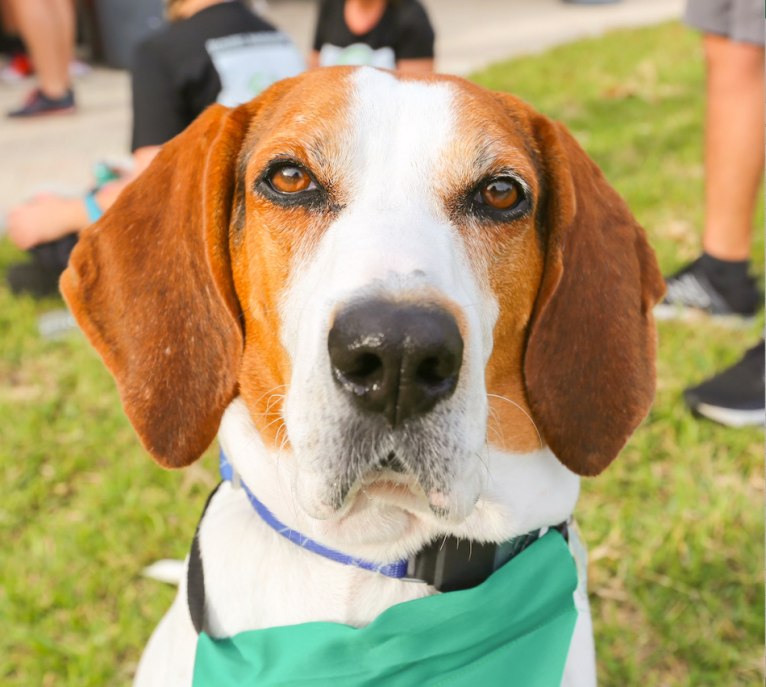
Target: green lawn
(675,527)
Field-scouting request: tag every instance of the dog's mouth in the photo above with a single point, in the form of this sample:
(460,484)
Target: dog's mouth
(423,467)
(392,483)
(392,463)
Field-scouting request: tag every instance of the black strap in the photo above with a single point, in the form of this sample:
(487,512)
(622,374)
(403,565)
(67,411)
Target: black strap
(451,564)
(195,575)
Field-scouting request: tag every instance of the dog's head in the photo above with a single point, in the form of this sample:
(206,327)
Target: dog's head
(394,273)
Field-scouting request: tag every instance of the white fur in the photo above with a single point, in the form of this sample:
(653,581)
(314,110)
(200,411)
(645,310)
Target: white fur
(393,239)
(255,578)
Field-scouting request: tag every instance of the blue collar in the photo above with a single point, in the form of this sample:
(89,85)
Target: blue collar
(397,570)
(447,564)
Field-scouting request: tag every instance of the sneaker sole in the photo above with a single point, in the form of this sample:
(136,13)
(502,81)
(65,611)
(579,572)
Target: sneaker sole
(45,113)
(731,417)
(676,313)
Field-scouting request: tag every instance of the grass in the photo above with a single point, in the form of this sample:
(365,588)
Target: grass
(675,527)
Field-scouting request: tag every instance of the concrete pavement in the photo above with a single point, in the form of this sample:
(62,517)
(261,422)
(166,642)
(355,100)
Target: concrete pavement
(58,152)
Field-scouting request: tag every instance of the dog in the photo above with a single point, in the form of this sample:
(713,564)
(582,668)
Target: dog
(409,307)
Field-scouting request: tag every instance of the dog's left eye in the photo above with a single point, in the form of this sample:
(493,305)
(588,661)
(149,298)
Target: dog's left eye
(290,179)
(500,194)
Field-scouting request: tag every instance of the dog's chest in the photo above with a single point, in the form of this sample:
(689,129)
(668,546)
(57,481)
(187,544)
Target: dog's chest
(254,578)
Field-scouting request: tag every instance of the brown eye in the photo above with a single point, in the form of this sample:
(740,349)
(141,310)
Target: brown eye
(289,179)
(501,194)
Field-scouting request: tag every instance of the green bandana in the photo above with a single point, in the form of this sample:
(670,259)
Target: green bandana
(513,629)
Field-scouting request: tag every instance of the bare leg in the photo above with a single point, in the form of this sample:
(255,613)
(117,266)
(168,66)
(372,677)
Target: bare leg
(734,144)
(47,27)
(9,20)
(65,13)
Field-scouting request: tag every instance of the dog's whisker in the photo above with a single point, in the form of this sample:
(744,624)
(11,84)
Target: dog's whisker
(498,429)
(492,411)
(498,433)
(276,419)
(539,436)
(242,450)
(270,391)
(293,506)
(236,319)
(276,436)
(273,399)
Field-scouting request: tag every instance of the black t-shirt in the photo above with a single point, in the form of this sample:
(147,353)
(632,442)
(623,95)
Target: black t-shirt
(404,32)
(224,53)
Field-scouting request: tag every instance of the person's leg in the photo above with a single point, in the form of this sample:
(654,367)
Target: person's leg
(7,17)
(64,12)
(734,144)
(44,29)
(718,282)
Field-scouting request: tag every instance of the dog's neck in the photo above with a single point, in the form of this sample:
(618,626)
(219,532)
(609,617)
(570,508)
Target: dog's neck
(523,492)
(255,578)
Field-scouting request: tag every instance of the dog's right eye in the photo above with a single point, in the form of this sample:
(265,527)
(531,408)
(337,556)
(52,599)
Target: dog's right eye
(290,179)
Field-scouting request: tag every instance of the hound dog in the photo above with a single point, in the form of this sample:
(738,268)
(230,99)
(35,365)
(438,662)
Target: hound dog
(409,307)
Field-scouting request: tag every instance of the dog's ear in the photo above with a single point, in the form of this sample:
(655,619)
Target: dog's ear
(150,284)
(590,357)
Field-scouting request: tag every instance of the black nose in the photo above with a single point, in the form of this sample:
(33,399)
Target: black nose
(393,359)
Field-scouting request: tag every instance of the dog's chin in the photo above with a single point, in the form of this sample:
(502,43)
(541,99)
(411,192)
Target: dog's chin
(382,493)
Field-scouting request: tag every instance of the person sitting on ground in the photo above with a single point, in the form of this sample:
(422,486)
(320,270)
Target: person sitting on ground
(390,34)
(718,282)
(212,51)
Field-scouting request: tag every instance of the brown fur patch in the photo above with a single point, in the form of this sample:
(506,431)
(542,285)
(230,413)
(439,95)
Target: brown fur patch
(179,285)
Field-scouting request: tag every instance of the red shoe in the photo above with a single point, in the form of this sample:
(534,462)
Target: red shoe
(19,68)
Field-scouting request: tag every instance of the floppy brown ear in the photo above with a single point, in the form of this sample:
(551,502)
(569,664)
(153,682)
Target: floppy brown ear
(150,284)
(590,358)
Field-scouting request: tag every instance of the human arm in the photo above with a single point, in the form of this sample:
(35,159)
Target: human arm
(415,46)
(320,33)
(48,217)
(419,66)
(157,117)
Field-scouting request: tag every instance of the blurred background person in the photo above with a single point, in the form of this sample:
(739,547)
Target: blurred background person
(212,51)
(48,30)
(718,282)
(390,34)
(19,66)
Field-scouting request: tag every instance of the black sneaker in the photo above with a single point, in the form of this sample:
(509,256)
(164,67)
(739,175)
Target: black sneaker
(33,279)
(692,292)
(39,104)
(734,397)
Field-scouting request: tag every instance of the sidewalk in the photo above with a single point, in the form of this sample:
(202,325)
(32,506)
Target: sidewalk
(59,152)
(474,33)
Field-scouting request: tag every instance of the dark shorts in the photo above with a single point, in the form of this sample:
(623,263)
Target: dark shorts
(739,20)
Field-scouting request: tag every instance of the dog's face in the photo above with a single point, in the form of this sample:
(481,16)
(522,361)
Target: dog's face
(395,274)
(392,215)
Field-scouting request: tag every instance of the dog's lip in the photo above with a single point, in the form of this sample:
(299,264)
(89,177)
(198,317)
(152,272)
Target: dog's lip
(382,476)
(404,491)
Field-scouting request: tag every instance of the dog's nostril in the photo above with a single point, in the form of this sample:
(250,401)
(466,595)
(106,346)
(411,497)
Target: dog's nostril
(365,365)
(430,371)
